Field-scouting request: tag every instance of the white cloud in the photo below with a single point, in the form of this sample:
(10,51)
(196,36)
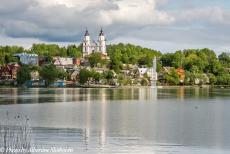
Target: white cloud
(139,13)
(215,15)
(143,20)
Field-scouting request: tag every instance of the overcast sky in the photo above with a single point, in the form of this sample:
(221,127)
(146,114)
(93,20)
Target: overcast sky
(165,25)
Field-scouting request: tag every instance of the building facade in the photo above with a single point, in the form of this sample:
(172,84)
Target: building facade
(9,71)
(91,46)
(28,59)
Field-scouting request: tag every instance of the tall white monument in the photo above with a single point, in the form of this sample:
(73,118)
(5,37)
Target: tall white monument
(154,74)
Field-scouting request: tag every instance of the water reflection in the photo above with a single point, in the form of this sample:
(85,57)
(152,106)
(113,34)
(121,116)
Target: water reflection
(27,96)
(129,120)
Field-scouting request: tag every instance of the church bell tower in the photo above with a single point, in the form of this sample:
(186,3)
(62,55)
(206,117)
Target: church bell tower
(102,43)
(86,44)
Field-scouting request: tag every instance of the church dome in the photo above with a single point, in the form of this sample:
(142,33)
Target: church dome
(101,33)
(86,32)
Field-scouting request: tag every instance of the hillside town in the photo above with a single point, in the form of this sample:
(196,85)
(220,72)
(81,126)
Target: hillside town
(96,64)
(71,67)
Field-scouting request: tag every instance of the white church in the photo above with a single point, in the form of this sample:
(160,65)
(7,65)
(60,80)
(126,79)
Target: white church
(91,46)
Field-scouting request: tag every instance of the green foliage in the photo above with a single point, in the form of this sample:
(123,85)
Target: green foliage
(115,57)
(50,73)
(108,75)
(172,78)
(84,76)
(23,74)
(167,59)
(224,59)
(144,82)
(74,51)
(96,75)
(178,59)
(196,62)
(62,74)
(51,50)
(223,79)
(212,79)
(48,50)
(94,59)
(7,52)
(130,54)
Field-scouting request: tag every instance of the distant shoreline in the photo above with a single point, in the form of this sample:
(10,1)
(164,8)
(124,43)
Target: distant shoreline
(117,87)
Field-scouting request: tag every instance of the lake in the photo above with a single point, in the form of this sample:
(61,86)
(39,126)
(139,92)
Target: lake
(124,120)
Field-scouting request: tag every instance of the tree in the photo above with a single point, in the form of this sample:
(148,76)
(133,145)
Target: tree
(49,73)
(223,79)
(94,59)
(172,78)
(167,59)
(62,74)
(84,76)
(73,51)
(212,79)
(130,54)
(48,50)
(108,75)
(116,60)
(224,59)
(178,59)
(144,82)
(96,75)
(23,74)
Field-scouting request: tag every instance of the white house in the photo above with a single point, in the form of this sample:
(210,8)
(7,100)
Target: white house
(28,59)
(150,72)
(62,61)
(144,71)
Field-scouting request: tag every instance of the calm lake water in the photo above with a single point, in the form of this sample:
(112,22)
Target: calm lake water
(125,121)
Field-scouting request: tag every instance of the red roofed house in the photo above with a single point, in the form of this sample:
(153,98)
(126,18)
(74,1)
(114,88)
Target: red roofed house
(9,72)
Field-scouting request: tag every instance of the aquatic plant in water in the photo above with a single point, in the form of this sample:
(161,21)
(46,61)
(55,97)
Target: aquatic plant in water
(15,134)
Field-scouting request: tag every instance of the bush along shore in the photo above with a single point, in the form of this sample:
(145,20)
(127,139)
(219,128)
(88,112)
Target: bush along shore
(124,65)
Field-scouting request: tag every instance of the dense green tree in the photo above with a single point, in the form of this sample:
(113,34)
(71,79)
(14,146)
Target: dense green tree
(223,79)
(7,54)
(95,58)
(108,75)
(96,76)
(24,74)
(73,51)
(172,78)
(116,63)
(47,50)
(50,73)
(130,54)
(84,76)
(167,59)
(62,74)
(178,59)
(212,79)
(224,59)
(194,60)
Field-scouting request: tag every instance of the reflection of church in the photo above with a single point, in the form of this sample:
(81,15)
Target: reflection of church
(93,46)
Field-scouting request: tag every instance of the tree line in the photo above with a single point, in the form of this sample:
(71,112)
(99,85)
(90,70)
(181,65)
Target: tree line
(47,50)
(195,62)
